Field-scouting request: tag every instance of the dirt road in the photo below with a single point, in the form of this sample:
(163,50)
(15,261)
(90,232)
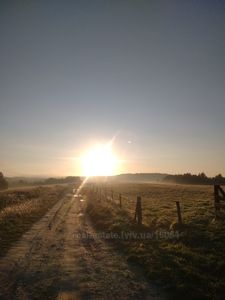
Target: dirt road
(53,260)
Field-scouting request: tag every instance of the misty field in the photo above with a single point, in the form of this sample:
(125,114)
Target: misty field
(188,259)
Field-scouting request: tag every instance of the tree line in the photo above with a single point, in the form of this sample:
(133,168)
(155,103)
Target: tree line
(69,179)
(189,178)
(4,184)
(52,180)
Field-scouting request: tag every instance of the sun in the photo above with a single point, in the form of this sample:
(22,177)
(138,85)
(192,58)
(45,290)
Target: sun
(99,162)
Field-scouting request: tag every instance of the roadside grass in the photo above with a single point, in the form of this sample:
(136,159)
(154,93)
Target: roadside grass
(188,259)
(20,208)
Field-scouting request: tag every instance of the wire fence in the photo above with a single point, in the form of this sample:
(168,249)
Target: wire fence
(166,204)
(124,202)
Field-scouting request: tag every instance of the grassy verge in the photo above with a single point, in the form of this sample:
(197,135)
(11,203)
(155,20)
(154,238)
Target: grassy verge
(20,208)
(188,260)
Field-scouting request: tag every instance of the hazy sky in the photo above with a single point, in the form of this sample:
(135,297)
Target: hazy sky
(148,74)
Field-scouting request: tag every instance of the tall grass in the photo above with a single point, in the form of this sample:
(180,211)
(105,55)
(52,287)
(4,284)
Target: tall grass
(188,259)
(20,208)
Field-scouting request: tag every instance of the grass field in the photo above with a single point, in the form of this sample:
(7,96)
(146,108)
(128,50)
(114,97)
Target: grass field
(20,208)
(188,259)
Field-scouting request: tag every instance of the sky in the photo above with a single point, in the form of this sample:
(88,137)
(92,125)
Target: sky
(143,79)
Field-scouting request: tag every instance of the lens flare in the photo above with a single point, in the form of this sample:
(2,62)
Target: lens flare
(99,162)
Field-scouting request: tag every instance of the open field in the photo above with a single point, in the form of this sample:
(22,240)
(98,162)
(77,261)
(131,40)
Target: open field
(187,259)
(197,202)
(53,260)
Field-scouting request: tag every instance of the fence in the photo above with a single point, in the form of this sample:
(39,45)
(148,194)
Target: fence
(116,199)
(219,195)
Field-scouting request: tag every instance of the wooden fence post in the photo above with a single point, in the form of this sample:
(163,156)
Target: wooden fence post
(217,199)
(120,201)
(138,211)
(179,212)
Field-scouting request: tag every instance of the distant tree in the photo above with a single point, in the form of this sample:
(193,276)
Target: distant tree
(188,178)
(72,179)
(69,179)
(22,183)
(219,179)
(202,175)
(3,183)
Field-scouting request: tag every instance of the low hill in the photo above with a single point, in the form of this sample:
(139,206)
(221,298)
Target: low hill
(143,177)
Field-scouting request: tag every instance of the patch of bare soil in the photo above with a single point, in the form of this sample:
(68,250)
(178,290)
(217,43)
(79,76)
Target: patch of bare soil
(55,260)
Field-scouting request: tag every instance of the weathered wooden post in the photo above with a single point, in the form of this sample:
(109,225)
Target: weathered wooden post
(217,199)
(120,200)
(179,212)
(112,194)
(138,211)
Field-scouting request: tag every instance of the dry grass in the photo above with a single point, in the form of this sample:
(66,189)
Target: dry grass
(196,201)
(188,260)
(20,208)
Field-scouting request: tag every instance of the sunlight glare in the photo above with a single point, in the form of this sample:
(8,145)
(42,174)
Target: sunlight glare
(99,162)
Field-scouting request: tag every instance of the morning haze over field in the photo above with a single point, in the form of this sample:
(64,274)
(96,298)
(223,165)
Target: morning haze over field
(110,87)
